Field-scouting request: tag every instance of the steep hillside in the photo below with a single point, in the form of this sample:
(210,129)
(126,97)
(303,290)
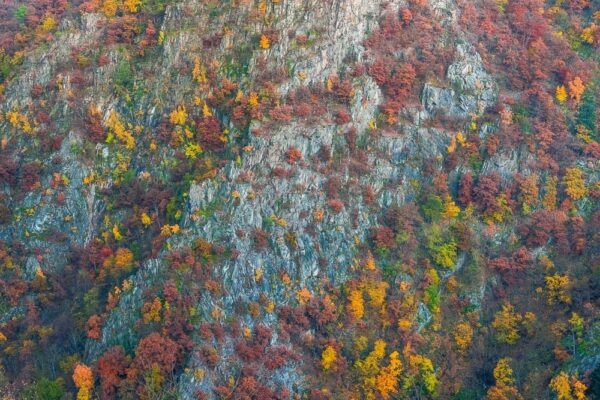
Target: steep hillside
(288,199)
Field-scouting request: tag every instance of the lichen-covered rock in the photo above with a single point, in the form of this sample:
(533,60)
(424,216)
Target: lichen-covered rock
(468,75)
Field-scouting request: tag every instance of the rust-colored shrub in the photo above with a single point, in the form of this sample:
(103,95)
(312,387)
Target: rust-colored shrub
(383,237)
(260,239)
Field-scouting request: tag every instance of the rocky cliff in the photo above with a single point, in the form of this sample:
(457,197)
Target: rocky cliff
(270,190)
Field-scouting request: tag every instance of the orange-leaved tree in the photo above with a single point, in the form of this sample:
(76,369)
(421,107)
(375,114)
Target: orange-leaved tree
(84,381)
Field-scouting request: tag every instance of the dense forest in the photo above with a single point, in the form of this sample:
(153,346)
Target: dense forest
(300,199)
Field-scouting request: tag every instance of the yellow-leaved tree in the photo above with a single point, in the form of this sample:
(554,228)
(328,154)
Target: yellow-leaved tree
(451,210)
(504,389)
(264,42)
(199,72)
(370,262)
(48,24)
(132,6)
(463,336)
(421,367)
(145,219)
(387,379)
(369,368)
(574,183)
(561,94)
(568,388)
(123,258)
(356,304)
(117,128)
(376,291)
(109,8)
(506,324)
(557,288)
(549,200)
(179,116)
(328,357)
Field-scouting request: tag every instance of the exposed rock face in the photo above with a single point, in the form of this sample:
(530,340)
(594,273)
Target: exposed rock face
(119,327)
(261,198)
(476,88)
(342,26)
(285,205)
(76,219)
(42,66)
(468,74)
(55,229)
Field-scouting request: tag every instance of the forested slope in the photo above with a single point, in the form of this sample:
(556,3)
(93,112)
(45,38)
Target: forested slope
(289,199)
